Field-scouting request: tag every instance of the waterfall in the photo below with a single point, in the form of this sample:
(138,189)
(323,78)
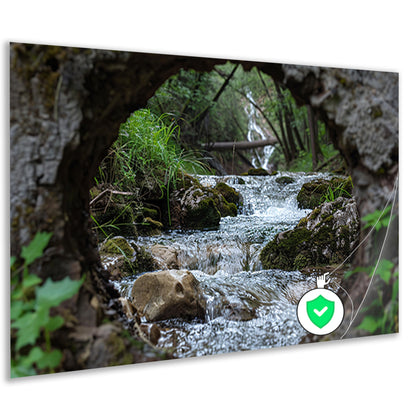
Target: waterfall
(261,156)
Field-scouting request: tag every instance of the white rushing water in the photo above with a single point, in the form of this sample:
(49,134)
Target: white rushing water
(247,307)
(255,132)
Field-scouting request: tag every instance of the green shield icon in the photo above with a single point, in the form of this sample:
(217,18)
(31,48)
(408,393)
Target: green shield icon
(320,311)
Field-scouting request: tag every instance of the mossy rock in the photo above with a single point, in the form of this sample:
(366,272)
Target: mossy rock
(284,180)
(257,172)
(326,236)
(228,192)
(204,214)
(122,258)
(227,209)
(117,246)
(194,206)
(318,191)
(284,248)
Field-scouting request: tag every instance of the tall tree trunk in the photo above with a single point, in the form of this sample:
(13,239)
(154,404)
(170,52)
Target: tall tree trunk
(291,140)
(295,129)
(315,149)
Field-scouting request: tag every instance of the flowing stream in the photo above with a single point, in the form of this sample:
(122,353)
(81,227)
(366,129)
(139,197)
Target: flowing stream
(247,307)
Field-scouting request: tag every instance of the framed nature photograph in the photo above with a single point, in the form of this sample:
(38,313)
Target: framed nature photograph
(166,206)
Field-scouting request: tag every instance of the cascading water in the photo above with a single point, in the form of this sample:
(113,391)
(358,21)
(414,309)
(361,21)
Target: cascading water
(255,132)
(247,307)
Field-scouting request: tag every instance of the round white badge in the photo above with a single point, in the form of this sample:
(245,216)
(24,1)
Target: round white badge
(320,311)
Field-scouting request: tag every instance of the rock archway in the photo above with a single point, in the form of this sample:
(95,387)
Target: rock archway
(66,105)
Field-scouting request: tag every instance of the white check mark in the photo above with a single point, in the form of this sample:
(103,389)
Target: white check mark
(321,312)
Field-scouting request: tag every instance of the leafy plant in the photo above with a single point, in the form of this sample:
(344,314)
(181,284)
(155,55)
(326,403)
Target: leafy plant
(380,319)
(31,303)
(382,314)
(378,218)
(333,193)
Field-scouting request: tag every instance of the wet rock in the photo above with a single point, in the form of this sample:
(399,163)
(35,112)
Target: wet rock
(257,172)
(168,294)
(229,193)
(122,259)
(165,257)
(238,311)
(326,236)
(284,180)
(197,208)
(194,206)
(152,332)
(129,309)
(316,192)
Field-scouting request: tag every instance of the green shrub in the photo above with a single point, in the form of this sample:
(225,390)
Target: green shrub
(147,155)
(31,322)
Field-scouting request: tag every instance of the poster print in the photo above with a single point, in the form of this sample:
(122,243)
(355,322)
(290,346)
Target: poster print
(170,206)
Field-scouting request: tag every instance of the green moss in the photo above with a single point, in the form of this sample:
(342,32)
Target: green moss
(227,209)
(281,254)
(149,227)
(204,215)
(291,244)
(257,172)
(116,246)
(150,212)
(228,192)
(143,262)
(301,261)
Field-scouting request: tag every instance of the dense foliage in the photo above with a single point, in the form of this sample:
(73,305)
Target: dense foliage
(214,107)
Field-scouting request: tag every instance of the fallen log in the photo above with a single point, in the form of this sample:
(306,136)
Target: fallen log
(223,146)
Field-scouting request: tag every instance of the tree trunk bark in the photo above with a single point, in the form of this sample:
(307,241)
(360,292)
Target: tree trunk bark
(313,139)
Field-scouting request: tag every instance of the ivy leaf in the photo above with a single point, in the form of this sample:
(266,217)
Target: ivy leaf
(28,327)
(31,280)
(370,324)
(16,309)
(49,359)
(384,270)
(12,261)
(35,248)
(52,293)
(34,355)
(54,323)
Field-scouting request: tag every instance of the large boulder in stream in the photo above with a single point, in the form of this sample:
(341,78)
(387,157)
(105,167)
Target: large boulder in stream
(194,206)
(168,294)
(326,236)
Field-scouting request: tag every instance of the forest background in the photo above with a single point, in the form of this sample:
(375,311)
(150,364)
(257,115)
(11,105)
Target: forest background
(367,37)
